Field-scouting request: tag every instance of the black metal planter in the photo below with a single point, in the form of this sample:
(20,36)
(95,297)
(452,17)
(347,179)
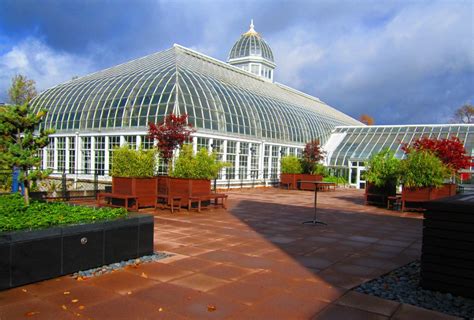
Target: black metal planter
(31,256)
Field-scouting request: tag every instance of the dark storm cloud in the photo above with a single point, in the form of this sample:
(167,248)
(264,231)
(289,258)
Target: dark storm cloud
(401,62)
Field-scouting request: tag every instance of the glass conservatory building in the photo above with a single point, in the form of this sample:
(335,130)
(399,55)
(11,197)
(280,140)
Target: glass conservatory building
(349,147)
(235,107)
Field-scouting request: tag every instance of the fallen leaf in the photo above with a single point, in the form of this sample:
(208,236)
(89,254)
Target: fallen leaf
(160,309)
(31,313)
(64,307)
(24,290)
(144,275)
(81,307)
(129,292)
(74,300)
(66,292)
(211,308)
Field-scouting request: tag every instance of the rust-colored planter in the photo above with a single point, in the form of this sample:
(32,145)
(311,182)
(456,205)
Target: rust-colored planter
(379,195)
(142,188)
(183,188)
(426,194)
(293,180)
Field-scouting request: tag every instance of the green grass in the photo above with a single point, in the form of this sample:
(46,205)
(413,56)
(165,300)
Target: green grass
(15,215)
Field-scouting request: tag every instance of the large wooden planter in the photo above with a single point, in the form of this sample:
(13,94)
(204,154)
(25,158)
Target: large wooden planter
(183,188)
(379,195)
(31,256)
(420,195)
(447,259)
(143,188)
(293,180)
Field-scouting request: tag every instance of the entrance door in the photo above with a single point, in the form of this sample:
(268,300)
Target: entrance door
(361,177)
(357,174)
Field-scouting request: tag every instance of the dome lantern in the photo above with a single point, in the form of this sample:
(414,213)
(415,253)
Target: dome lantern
(253,54)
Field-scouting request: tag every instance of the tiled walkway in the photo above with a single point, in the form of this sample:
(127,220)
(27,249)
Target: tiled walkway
(254,261)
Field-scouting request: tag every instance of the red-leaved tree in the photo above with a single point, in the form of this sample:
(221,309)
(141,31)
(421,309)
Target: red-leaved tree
(450,151)
(170,134)
(312,154)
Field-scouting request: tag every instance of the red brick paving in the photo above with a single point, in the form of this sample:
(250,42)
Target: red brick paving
(254,261)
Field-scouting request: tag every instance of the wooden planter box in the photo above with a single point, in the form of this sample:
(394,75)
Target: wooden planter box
(421,195)
(447,260)
(183,188)
(292,180)
(379,195)
(142,188)
(31,256)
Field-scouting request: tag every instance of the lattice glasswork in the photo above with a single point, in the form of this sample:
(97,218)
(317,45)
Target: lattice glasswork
(218,98)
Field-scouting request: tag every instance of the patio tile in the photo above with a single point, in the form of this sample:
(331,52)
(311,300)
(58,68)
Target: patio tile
(228,272)
(199,281)
(122,282)
(247,293)
(14,295)
(408,312)
(337,312)
(368,303)
(160,271)
(319,290)
(35,309)
(166,295)
(208,306)
(49,286)
(193,264)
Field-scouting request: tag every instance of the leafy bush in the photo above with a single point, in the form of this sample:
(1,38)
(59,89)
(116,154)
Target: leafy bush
(15,215)
(203,165)
(383,169)
(423,169)
(321,170)
(127,162)
(337,180)
(291,164)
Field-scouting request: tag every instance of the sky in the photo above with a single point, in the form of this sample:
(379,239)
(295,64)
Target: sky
(401,62)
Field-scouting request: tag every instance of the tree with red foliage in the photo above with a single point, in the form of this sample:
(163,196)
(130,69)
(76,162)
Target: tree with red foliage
(170,134)
(450,151)
(312,154)
(366,119)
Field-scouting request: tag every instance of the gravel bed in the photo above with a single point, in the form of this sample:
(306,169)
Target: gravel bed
(402,285)
(120,265)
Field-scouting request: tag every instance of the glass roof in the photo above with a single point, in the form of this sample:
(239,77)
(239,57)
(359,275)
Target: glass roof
(218,98)
(359,143)
(251,45)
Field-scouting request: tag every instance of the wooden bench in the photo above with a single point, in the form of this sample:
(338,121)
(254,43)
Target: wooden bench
(111,196)
(326,187)
(206,197)
(394,201)
(285,184)
(171,201)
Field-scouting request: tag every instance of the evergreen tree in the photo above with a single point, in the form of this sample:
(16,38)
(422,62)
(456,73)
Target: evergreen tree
(20,144)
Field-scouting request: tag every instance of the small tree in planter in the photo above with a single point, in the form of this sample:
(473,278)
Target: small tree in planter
(382,177)
(170,134)
(192,174)
(20,144)
(422,175)
(291,170)
(133,173)
(312,155)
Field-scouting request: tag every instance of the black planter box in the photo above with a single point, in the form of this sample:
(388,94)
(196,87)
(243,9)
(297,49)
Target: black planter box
(30,256)
(447,260)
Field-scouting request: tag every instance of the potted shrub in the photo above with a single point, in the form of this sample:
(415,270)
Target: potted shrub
(192,173)
(422,176)
(133,173)
(452,155)
(291,171)
(382,177)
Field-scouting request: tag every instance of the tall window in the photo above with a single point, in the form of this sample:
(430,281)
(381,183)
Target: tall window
(243,160)
(147,143)
(61,154)
(72,154)
(202,143)
(114,142)
(86,154)
(217,146)
(254,156)
(131,141)
(99,155)
(275,155)
(266,161)
(50,154)
(231,157)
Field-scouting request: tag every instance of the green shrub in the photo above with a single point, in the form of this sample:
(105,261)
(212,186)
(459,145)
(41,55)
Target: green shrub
(423,169)
(15,215)
(337,180)
(383,169)
(321,170)
(291,164)
(127,162)
(203,165)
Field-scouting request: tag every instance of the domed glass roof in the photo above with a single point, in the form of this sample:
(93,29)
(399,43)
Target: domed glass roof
(218,97)
(251,44)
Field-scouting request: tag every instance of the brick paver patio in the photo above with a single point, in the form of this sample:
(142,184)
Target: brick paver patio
(254,261)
